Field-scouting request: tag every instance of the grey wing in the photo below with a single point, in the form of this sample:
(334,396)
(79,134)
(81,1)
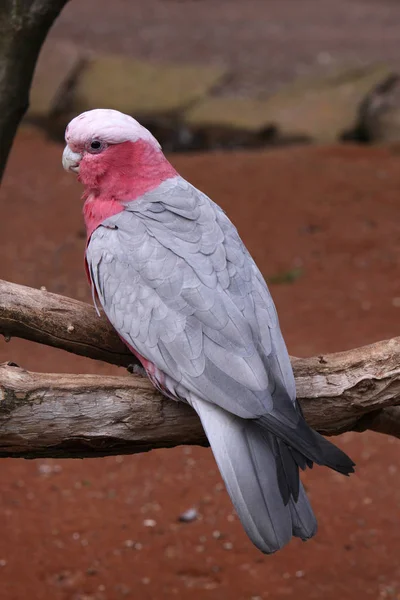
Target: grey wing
(179,286)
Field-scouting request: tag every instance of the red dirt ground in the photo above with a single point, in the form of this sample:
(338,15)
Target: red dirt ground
(76,530)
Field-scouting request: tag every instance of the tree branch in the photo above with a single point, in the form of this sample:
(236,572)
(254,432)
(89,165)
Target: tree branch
(75,416)
(47,415)
(24,27)
(60,322)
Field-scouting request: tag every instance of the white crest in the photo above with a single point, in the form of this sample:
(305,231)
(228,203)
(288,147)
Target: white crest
(108,125)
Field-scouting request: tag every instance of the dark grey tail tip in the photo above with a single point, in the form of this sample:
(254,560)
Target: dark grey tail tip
(346,469)
(334,457)
(347,473)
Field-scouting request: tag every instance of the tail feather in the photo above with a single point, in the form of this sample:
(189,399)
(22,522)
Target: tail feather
(290,468)
(291,428)
(304,440)
(303,520)
(255,467)
(333,457)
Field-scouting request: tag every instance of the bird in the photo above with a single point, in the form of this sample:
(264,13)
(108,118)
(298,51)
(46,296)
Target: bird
(178,285)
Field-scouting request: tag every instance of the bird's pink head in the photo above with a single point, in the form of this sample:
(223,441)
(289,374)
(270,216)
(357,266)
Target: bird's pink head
(116,159)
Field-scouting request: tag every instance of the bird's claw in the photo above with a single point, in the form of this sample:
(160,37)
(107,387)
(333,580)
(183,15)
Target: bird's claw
(136,369)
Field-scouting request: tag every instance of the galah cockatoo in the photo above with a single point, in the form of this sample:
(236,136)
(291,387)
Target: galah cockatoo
(180,288)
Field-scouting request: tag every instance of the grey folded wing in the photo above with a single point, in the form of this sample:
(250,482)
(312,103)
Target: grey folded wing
(179,286)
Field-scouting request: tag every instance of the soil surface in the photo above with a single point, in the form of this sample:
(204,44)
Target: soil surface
(108,529)
(265,43)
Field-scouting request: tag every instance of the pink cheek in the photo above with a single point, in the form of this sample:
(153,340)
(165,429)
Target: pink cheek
(90,170)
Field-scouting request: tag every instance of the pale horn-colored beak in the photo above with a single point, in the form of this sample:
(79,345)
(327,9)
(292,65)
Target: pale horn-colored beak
(71,160)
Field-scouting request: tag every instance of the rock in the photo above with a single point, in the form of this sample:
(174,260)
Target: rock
(323,109)
(188,516)
(327,109)
(386,129)
(142,89)
(57,68)
(380,114)
(241,114)
(174,103)
(234,122)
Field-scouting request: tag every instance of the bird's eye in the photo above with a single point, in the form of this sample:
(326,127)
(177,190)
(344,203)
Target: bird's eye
(96,146)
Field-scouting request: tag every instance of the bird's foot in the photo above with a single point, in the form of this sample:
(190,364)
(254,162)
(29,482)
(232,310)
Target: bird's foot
(136,369)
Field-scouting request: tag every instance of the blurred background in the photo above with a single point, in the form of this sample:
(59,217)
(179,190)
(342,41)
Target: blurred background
(286,113)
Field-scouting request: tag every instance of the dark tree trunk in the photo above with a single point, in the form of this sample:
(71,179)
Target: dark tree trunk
(24,25)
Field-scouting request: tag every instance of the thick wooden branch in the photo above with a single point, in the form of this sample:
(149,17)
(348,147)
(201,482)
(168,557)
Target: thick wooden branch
(45,415)
(50,415)
(75,416)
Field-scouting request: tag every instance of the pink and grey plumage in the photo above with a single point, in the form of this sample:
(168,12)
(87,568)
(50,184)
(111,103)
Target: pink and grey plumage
(177,283)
